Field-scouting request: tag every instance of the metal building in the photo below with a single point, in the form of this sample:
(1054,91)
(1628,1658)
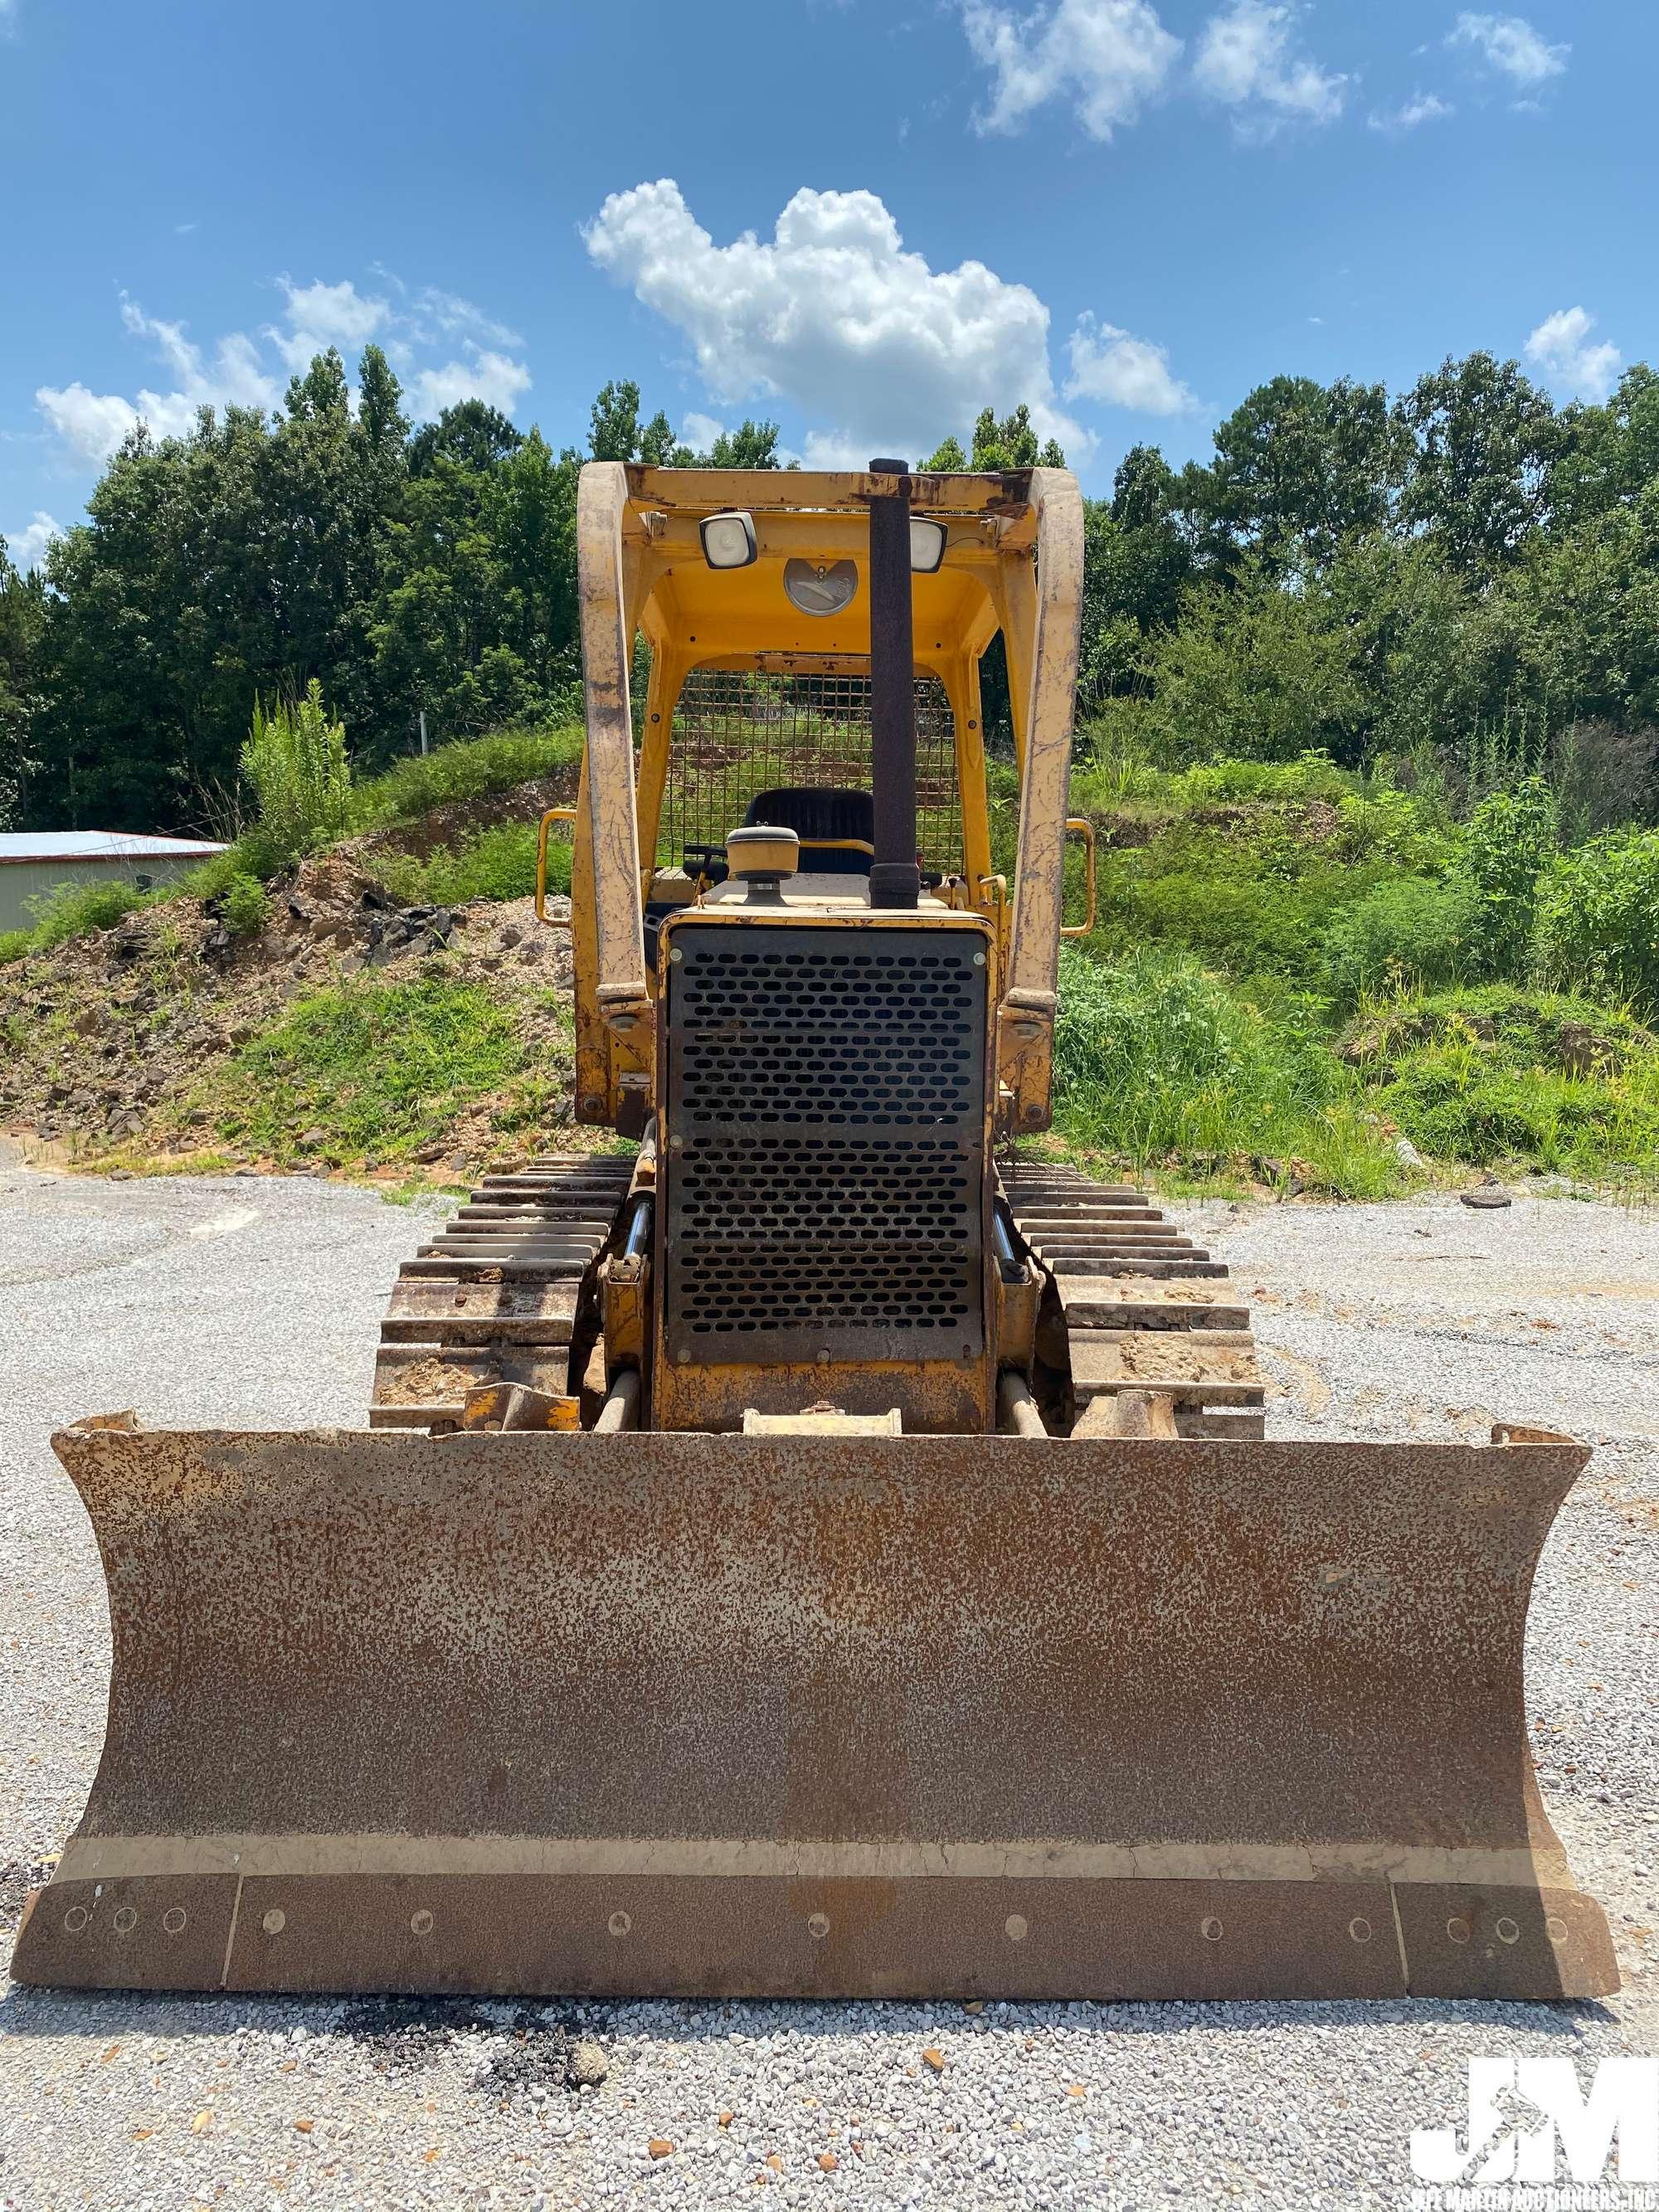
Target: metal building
(34,863)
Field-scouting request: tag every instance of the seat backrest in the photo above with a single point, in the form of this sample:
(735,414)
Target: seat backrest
(836,829)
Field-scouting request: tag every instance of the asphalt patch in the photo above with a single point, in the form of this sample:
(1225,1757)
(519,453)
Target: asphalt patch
(527,2049)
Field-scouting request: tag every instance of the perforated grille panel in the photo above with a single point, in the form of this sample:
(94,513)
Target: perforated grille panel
(823,1180)
(739,732)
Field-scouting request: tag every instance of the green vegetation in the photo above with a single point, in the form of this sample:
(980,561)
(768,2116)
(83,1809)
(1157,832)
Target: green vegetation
(491,864)
(78,909)
(454,774)
(1498,1074)
(244,904)
(1296,966)
(294,763)
(1598,916)
(1155,1058)
(373,1071)
(301,771)
(1369,715)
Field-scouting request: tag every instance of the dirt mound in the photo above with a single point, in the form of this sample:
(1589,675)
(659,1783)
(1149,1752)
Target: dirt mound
(109,1035)
(453,824)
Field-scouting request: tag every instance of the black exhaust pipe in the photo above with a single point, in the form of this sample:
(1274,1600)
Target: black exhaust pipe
(895,877)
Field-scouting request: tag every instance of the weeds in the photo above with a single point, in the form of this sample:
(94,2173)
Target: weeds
(457,773)
(1155,1060)
(244,905)
(492,864)
(1599,917)
(78,909)
(368,1073)
(295,761)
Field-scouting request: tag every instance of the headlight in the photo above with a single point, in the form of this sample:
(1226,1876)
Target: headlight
(728,540)
(926,546)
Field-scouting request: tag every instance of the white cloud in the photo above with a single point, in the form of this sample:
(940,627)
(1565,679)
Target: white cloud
(1560,347)
(241,372)
(92,424)
(458,317)
(28,546)
(1510,43)
(1117,370)
(321,315)
(1247,62)
(1421,107)
(1107,57)
(495,378)
(831,312)
(700,432)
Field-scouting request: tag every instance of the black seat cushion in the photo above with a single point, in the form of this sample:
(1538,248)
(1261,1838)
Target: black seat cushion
(823,818)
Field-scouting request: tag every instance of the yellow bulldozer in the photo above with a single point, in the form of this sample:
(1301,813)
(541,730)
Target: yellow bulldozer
(817,1548)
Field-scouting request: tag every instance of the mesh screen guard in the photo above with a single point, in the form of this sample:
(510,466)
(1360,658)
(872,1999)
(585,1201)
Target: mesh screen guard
(739,732)
(824,1176)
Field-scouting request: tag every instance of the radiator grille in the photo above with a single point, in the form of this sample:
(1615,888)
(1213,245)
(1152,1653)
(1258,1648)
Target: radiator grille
(825,1195)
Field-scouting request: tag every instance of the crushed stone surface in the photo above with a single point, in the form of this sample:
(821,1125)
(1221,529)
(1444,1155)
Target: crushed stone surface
(256,1302)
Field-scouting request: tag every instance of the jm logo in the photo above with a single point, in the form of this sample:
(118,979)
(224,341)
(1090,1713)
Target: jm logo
(1520,2108)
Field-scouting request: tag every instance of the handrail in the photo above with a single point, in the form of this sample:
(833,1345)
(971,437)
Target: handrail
(550,920)
(1079,827)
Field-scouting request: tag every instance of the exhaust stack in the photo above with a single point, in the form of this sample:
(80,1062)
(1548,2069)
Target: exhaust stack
(895,877)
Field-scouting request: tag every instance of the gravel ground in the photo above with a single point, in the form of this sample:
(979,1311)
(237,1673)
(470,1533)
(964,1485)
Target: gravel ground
(258,1301)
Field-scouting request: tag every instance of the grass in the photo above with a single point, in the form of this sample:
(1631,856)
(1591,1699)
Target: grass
(1159,1064)
(1286,967)
(458,773)
(1502,1074)
(1283,982)
(371,1073)
(78,909)
(493,864)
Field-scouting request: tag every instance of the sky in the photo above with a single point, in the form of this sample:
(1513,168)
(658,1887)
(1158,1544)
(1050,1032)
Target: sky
(863,219)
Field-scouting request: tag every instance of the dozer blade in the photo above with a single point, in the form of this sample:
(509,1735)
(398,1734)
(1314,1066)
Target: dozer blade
(825,1717)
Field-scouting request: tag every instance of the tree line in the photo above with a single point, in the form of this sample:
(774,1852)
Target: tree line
(1463,573)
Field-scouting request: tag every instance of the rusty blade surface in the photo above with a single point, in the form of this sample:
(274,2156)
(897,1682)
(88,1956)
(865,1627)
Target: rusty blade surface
(816,1715)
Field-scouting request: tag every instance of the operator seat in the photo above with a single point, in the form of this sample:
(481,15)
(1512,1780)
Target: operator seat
(836,829)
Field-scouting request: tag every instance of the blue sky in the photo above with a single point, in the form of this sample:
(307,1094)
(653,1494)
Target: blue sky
(862,217)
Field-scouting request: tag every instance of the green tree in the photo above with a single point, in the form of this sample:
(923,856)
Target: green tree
(750,445)
(1257,673)
(1137,566)
(244,557)
(1011,442)
(1484,441)
(23,618)
(472,433)
(380,405)
(1608,455)
(1299,467)
(660,446)
(614,423)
